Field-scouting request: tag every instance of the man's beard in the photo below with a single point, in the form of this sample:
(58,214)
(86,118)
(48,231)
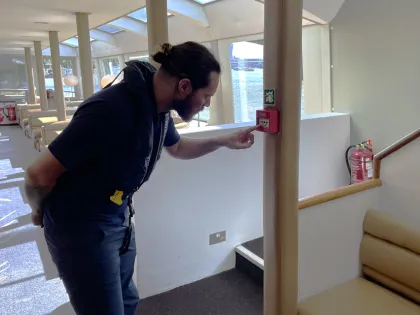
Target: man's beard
(184,109)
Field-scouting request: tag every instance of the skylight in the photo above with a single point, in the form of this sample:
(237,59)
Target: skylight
(141,15)
(74,42)
(204,1)
(109,29)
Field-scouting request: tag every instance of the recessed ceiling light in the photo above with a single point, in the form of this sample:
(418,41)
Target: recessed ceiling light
(45,23)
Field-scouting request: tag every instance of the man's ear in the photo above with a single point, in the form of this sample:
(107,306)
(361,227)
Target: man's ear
(184,87)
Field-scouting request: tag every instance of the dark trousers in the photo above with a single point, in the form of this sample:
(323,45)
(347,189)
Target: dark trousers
(97,276)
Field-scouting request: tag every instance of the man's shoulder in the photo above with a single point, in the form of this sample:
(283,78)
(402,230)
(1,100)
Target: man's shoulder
(112,100)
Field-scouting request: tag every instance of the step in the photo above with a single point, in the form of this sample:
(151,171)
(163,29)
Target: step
(249,259)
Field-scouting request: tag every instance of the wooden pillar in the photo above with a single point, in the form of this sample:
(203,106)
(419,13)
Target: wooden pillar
(157,25)
(282,72)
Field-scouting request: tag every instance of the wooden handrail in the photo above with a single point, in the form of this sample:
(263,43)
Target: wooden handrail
(338,193)
(391,149)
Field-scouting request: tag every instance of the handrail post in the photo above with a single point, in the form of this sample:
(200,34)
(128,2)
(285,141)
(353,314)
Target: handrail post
(282,72)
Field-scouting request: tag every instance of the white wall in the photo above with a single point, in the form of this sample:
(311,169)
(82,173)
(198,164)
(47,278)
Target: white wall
(376,74)
(329,241)
(185,201)
(400,175)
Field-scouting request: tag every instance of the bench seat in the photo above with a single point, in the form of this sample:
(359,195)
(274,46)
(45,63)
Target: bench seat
(358,297)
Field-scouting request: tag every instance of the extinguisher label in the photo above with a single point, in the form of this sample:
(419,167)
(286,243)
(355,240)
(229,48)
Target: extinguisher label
(369,168)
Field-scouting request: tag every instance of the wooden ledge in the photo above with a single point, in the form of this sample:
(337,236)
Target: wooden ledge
(338,193)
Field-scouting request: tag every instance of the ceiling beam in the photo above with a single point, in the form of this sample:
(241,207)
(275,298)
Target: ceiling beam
(308,16)
(313,18)
(130,25)
(103,37)
(190,10)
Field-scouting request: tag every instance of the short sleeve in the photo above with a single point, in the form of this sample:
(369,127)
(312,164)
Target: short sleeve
(172,135)
(82,139)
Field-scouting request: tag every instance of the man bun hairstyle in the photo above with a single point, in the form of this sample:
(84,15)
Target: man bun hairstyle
(189,60)
(162,53)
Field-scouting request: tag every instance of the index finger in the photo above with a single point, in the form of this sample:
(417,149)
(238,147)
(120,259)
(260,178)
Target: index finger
(251,129)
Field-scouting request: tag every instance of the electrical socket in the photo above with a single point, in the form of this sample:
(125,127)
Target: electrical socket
(265,122)
(217,237)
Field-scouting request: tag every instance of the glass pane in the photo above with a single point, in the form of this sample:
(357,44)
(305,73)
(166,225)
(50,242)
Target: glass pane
(67,65)
(141,15)
(246,59)
(111,66)
(204,1)
(247,63)
(96,76)
(73,42)
(203,116)
(67,68)
(109,29)
(12,73)
(140,57)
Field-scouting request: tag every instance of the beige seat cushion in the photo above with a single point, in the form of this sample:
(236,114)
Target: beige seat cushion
(358,297)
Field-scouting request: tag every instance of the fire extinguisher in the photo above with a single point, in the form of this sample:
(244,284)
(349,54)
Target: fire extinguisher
(360,162)
(11,112)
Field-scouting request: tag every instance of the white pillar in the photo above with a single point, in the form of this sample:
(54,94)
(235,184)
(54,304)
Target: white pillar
(78,93)
(30,76)
(282,72)
(316,69)
(217,107)
(57,74)
(41,77)
(85,53)
(157,25)
(121,61)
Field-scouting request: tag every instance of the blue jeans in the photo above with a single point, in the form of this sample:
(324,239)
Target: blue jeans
(97,277)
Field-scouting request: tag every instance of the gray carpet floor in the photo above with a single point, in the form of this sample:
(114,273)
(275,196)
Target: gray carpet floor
(229,293)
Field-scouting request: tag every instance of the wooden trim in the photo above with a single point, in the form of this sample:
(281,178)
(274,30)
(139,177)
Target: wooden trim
(391,149)
(338,193)
(282,72)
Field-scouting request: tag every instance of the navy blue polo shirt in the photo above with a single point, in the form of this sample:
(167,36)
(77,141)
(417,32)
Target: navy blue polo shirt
(95,147)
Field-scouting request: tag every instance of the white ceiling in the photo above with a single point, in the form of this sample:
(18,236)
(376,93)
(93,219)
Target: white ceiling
(18,17)
(19,27)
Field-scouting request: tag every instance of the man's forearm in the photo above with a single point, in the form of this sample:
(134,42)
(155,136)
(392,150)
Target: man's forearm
(194,148)
(36,194)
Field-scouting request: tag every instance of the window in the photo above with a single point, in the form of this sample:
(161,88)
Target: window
(111,66)
(74,42)
(109,29)
(246,60)
(139,57)
(13,72)
(247,63)
(204,1)
(67,68)
(141,15)
(96,78)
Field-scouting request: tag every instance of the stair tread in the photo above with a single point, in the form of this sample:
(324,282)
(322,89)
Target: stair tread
(256,246)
